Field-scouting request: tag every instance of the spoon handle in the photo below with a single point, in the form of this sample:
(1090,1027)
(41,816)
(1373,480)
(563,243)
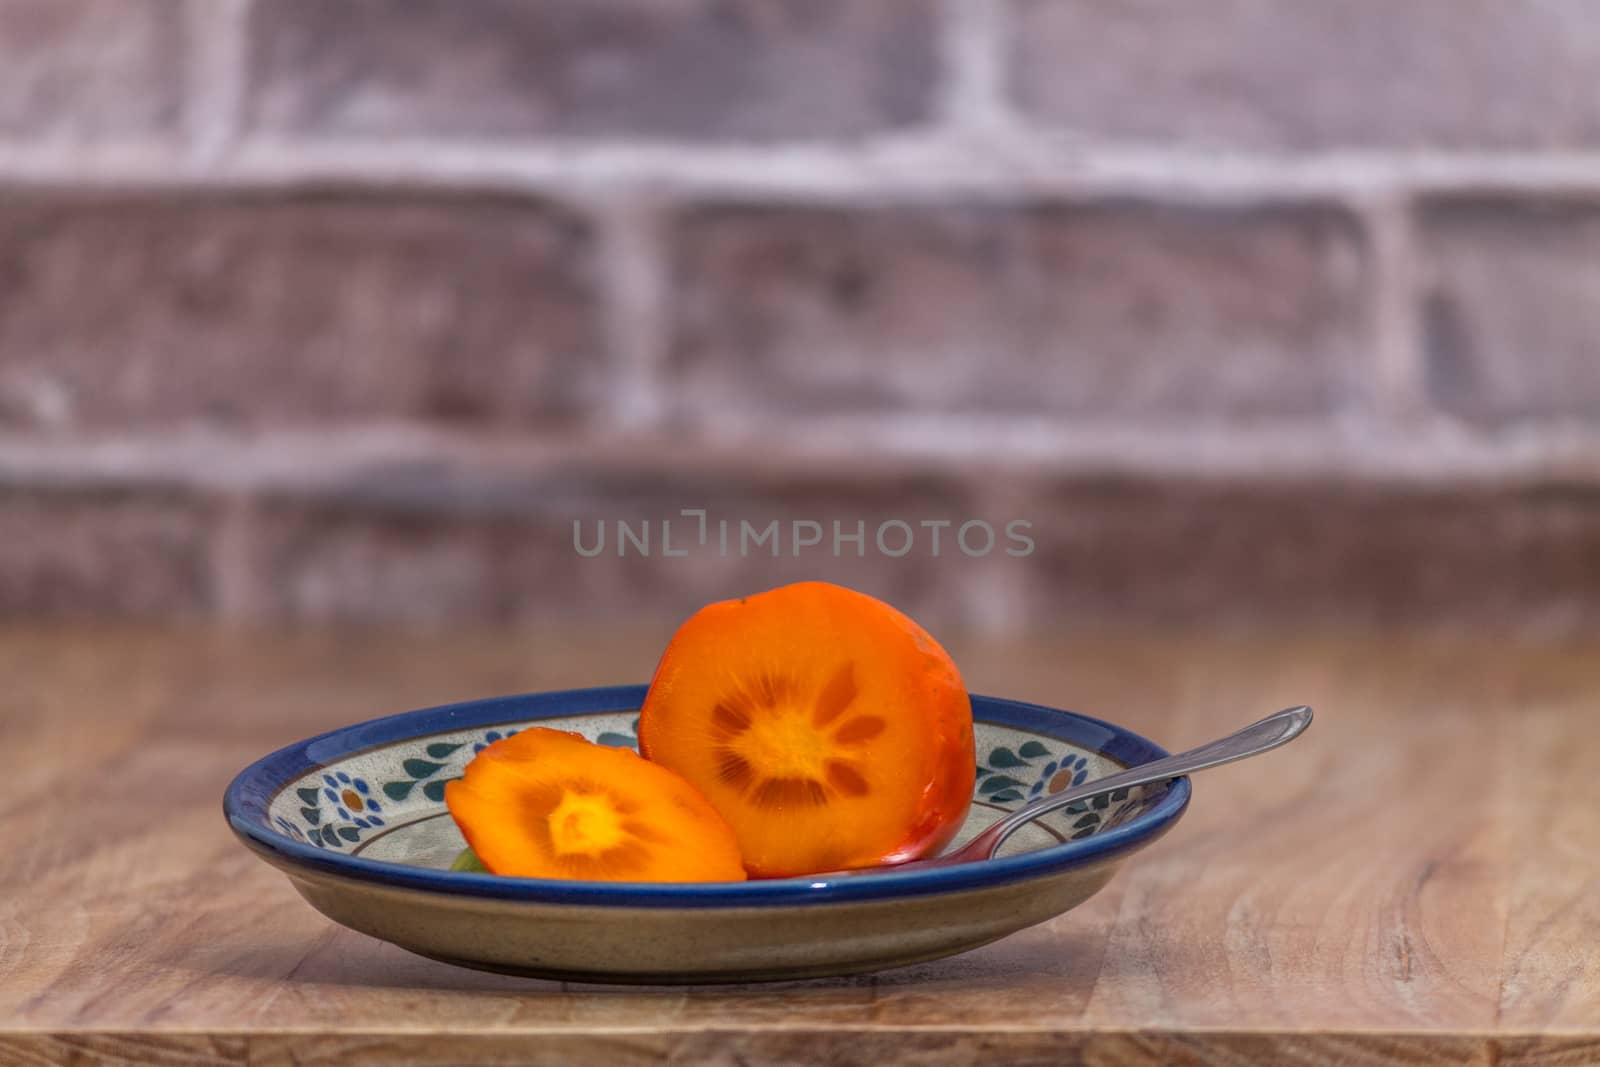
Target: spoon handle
(1277,729)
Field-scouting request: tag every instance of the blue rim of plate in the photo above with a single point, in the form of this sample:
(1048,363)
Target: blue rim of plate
(251,791)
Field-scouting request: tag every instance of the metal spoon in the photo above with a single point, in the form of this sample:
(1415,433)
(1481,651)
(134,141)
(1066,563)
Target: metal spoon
(1277,729)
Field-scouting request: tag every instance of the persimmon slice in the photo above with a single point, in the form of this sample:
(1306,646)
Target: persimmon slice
(829,729)
(548,804)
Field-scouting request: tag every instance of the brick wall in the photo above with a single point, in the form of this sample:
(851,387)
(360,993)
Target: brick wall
(345,310)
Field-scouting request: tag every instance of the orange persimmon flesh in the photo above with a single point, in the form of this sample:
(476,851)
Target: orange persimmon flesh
(548,804)
(829,729)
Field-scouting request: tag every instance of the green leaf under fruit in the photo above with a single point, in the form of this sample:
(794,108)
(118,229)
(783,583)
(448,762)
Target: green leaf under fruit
(468,861)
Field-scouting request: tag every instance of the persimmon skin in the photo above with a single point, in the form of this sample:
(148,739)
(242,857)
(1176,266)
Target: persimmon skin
(829,729)
(547,803)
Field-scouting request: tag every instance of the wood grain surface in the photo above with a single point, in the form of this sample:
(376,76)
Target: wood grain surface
(1417,880)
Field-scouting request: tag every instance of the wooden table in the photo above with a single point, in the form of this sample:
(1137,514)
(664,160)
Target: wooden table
(1418,879)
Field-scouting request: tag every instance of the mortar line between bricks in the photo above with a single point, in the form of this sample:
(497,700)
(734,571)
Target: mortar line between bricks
(215,76)
(972,87)
(995,589)
(1399,379)
(235,564)
(338,458)
(1015,162)
(633,286)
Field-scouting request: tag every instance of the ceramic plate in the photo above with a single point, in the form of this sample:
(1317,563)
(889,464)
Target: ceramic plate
(357,820)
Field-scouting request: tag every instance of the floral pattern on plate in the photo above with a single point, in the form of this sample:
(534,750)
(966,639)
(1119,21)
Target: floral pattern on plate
(344,805)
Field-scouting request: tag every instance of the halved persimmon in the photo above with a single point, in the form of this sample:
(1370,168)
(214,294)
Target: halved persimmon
(829,729)
(548,804)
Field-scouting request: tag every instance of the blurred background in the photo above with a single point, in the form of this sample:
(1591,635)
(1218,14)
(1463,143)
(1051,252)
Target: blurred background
(352,311)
